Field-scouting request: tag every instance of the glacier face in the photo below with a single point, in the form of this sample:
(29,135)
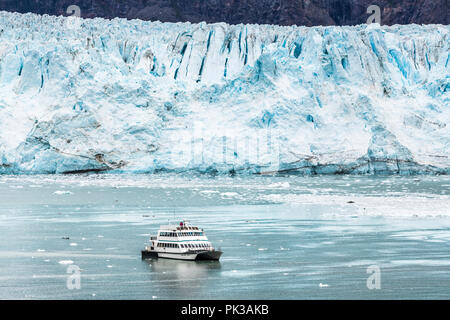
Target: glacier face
(133,96)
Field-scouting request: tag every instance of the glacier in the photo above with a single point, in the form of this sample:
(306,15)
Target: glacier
(90,95)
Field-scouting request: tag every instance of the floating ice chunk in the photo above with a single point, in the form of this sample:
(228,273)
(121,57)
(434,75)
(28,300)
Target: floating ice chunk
(61,192)
(209,191)
(229,194)
(65,262)
(323,285)
(280,185)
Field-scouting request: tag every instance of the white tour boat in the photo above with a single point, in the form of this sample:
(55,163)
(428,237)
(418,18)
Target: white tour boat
(183,242)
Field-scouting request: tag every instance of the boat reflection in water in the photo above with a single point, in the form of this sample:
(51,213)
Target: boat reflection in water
(180,278)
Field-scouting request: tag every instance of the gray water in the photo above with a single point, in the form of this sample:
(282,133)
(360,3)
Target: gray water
(283,237)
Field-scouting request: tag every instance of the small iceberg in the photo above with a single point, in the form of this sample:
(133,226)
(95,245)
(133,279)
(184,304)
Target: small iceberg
(61,192)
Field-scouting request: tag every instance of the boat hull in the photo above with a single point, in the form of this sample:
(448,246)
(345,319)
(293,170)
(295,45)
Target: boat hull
(190,256)
(209,255)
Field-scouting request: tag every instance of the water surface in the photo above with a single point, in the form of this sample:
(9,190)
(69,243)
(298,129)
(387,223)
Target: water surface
(283,237)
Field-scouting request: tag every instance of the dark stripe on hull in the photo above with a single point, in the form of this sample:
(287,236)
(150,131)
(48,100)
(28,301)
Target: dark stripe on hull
(149,254)
(209,255)
(206,255)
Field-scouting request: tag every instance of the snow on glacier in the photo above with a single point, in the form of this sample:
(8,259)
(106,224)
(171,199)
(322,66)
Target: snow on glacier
(133,96)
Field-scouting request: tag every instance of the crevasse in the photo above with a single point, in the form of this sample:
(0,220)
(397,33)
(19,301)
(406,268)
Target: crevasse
(133,96)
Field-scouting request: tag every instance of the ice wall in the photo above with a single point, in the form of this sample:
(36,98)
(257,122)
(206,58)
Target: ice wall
(133,96)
